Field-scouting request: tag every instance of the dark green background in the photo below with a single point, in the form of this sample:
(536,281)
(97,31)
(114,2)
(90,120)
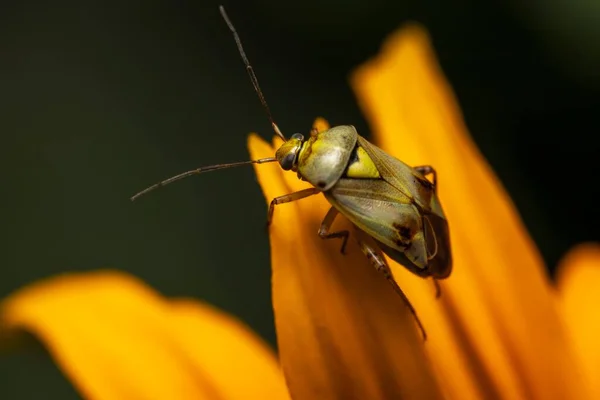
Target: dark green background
(100,99)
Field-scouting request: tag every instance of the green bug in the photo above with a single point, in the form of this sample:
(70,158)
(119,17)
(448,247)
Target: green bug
(394,209)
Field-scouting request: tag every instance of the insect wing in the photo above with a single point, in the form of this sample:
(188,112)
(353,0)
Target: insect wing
(401,176)
(420,190)
(385,213)
(437,237)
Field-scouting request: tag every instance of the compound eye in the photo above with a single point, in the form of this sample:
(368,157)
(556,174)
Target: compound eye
(298,136)
(287,162)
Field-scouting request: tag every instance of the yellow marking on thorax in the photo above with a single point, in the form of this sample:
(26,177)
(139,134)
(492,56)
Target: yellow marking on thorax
(305,150)
(362,167)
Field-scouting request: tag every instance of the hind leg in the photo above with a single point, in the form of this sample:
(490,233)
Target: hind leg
(376,258)
(438,288)
(426,170)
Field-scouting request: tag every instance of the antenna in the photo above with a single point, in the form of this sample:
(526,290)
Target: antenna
(261,97)
(251,73)
(200,171)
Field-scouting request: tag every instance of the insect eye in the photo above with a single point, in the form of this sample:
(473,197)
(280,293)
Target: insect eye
(298,136)
(287,162)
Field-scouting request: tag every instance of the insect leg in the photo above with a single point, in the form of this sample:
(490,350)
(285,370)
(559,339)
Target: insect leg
(438,288)
(426,170)
(375,256)
(286,198)
(326,225)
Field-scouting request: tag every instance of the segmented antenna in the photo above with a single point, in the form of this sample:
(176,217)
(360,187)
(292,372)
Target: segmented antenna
(251,73)
(262,101)
(200,171)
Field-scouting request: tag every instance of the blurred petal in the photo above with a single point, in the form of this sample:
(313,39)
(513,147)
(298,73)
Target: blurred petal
(115,338)
(321,124)
(496,325)
(342,331)
(579,290)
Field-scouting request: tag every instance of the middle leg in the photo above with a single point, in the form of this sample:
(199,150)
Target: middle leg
(426,170)
(324,230)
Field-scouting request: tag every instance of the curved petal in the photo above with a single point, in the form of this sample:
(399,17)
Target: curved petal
(342,331)
(496,323)
(578,282)
(115,338)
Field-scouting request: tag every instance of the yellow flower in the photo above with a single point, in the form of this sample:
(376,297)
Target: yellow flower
(115,338)
(500,329)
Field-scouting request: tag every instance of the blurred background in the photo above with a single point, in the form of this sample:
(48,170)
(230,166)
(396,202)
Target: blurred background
(98,99)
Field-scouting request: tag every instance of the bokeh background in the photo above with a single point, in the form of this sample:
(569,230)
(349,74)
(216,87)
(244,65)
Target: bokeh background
(98,99)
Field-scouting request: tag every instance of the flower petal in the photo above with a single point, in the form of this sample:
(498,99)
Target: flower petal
(578,282)
(115,338)
(496,323)
(342,331)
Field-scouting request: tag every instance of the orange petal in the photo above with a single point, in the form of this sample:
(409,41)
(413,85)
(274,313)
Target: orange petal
(578,284)
(115,338)
(321,124)
(496,327)
(342,331)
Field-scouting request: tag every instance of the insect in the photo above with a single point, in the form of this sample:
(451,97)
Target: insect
(394,208)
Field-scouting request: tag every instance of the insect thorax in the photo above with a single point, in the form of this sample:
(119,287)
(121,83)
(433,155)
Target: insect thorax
(324,157)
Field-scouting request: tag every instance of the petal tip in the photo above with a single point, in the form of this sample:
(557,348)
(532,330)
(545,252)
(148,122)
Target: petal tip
(321,124)
(411,34)
(70,286)
(99,279)
(582,259)
(412,37)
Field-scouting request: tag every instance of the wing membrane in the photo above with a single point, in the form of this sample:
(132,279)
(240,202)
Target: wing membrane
(385,213)
(401,176)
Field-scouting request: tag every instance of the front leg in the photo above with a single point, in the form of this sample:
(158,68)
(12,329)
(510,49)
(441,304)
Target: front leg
(426,170)
(287,198)
(324,232)
(377,259)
